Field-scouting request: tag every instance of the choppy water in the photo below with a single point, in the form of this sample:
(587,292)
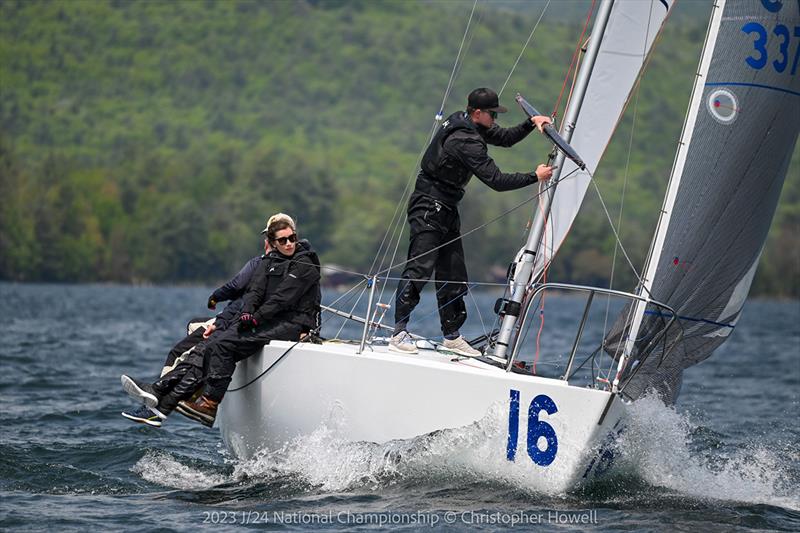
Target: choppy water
(728,458)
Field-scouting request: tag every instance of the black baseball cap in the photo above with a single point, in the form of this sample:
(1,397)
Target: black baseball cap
(485,99)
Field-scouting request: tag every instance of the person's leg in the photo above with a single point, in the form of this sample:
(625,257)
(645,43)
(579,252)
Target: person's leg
(417,272)
(180,383)
(199,322)
(154,395)
(233,346)
(451,287)
(150,394)
(221,358)
(191,380)
(426,220)
(188,342)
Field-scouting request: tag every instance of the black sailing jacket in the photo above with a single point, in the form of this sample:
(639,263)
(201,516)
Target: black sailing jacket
(234,290)
(458,150)
(286,288)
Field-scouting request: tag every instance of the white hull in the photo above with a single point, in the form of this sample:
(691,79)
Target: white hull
(380,396)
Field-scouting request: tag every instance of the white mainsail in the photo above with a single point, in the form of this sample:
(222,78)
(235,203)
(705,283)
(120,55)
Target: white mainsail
(616,54)
(631,31)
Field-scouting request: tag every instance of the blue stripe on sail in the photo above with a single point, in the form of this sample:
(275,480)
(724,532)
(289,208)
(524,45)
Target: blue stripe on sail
(757,85)
(692,319)
(666,5)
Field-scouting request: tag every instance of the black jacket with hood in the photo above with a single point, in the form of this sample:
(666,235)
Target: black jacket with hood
(286,288)
(458,150)
(234,290)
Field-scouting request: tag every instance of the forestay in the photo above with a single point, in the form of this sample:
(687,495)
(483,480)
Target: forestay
(739,136)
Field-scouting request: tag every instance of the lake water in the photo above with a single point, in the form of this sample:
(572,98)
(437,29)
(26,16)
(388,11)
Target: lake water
(727,458)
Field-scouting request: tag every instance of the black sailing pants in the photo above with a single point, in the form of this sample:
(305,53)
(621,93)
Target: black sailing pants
(183,379)
(432,224)
(189,341)
(231,346)
(179,383)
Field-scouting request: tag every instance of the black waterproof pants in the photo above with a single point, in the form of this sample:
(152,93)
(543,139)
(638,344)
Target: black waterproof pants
(231,346)
(179,384)
(189,341)
(433,224)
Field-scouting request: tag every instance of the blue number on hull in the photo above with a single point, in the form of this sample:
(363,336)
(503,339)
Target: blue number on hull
(536,429)
(513,425)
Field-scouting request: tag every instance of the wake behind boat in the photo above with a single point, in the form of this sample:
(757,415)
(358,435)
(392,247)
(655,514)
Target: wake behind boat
(723,190)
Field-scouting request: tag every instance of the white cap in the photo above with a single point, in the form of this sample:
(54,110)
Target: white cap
(279,217)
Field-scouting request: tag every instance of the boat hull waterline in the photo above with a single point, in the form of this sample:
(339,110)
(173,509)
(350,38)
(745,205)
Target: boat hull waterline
(546,427)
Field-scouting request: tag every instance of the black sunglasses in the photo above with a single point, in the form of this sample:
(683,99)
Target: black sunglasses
(492,114)
(289,238)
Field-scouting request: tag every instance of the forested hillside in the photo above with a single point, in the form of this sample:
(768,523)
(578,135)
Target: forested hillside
(149,141)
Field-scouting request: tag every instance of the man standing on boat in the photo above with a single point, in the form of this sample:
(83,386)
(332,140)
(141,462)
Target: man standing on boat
(457,152)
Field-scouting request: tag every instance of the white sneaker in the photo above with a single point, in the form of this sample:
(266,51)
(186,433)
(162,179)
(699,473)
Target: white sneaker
(461,347)
(402,343)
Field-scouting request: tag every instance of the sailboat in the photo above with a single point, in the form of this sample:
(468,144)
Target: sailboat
(739,133)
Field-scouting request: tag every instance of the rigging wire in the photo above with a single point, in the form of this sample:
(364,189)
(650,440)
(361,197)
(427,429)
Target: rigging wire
(397,224)
(395,227)
(354,305)
(625,185)
(481,226)
(456,63)
(614,230)
(437,118)
(480,315)
(524,47)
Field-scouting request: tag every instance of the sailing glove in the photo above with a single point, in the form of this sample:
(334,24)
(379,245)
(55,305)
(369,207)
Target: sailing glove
(247,321)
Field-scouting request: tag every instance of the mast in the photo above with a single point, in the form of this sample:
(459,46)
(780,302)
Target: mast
(525,264)
(654,256)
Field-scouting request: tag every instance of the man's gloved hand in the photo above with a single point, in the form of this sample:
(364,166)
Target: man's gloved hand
(247,321)
(212,303)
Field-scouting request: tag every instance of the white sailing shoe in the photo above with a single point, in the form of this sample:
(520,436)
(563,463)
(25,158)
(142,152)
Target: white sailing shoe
(139,391)
(461,347)
(402,343)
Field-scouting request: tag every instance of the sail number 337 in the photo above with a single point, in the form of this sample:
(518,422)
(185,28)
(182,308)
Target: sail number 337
(759,57)
(538,430)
